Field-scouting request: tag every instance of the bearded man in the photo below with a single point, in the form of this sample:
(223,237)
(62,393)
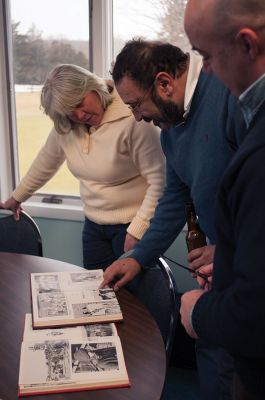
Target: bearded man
(161,83)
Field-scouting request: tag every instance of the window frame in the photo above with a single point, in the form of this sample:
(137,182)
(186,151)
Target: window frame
(101,55)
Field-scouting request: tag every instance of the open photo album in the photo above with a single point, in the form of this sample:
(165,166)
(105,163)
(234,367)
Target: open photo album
(72,298)
(70,359)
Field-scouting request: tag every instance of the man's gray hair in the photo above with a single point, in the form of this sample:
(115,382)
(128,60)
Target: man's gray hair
(64,89)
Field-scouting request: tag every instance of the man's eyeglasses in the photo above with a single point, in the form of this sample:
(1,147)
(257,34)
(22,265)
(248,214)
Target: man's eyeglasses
(137,105)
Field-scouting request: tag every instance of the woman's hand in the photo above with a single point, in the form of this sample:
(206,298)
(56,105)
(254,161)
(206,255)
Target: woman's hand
(13,205)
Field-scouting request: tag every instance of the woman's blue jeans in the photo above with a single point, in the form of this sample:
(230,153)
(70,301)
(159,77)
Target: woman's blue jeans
(102,244)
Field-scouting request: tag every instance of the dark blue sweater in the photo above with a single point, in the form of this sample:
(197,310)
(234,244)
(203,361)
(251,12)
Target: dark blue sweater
(232,314)
(197,152)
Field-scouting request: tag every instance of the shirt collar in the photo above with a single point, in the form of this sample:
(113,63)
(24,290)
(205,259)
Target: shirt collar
(195,66)
(116,109)
(252,98)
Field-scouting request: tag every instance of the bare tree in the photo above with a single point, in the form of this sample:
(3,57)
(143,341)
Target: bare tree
(152,19)
(171,16)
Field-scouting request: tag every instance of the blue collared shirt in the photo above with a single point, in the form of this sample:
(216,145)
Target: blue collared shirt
(252,98)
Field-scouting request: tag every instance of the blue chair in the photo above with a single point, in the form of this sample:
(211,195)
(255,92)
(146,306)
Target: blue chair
(21,236)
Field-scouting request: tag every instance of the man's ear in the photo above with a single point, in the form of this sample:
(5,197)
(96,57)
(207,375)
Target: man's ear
(249,42)
(164,84)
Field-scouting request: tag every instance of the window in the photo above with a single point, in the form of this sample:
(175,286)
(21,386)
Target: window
(40,34)
(46,36)
(150,19)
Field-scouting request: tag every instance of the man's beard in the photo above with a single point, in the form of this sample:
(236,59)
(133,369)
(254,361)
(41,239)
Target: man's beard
(171,115)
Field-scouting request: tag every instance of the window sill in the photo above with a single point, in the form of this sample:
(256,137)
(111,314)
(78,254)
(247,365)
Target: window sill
(69,209)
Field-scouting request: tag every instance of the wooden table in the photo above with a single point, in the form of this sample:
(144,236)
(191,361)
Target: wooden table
(141,340)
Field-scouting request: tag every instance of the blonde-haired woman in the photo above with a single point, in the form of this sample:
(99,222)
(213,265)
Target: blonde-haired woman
(118,161)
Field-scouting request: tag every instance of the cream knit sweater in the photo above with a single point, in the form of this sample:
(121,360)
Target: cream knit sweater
(120,166)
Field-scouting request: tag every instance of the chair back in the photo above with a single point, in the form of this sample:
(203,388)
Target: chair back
(21,236)
(155,287)
(174,301)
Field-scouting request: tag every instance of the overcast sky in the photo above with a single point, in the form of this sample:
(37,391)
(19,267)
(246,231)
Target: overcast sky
(52,17)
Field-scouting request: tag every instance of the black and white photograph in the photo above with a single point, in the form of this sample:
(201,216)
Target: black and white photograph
(94,357)
(94,275)
(96,308)
(100,294)
(106,294)
(47,283)
(57,359)
(99,330)
(51,305)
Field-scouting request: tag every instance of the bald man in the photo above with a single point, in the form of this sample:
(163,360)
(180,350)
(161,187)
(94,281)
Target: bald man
(230,36)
